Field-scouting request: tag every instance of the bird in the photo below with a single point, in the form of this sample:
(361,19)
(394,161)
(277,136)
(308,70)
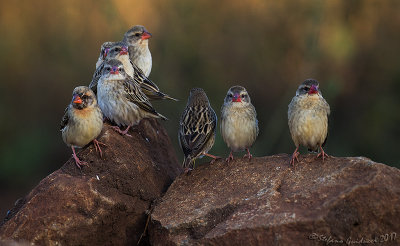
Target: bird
(82,122)
(308,119)
(239,124)
(137,39)
(121,99)
(119,51)
(197,128)
(104,49)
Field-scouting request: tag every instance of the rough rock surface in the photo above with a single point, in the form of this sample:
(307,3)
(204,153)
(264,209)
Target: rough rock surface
(103,204)
(265,202)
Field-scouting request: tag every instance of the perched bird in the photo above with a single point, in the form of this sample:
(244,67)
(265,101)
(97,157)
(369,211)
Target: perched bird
(119,51)
(137,39)
(104,49)
(197,128)
(239,124)
(121,99)
(82,122)
(308,119)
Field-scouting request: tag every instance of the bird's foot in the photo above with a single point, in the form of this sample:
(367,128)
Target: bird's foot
(295,158)
(248,155)
(212,156)
(323,154)
(230,157)
(78,162)
(97,146)
(187,170)
(124,132)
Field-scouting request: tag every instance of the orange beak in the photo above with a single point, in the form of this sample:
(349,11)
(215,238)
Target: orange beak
(146,35)
(77,99)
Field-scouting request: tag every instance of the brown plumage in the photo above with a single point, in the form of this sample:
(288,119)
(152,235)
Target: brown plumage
(82,121)
(197,127)
(308,119)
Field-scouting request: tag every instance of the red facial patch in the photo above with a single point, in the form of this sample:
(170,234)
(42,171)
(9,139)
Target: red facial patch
(313,90)
(236,98)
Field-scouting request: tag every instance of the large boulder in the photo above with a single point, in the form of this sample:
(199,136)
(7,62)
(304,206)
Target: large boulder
(266,202)
(104,203)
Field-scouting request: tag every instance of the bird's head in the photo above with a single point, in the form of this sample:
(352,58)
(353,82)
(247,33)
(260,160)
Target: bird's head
(237,94)
(112,68)
(118,49)
(308,87)
(136,34)
(83,97)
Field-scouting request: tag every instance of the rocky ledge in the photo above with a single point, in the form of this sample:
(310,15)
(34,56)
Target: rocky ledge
(265,202)
(104,203)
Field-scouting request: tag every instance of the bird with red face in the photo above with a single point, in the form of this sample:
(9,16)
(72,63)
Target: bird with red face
(137,39)
(308,119)
(82,122)
(239,124)
(104,49)
(119,51)
(121,99)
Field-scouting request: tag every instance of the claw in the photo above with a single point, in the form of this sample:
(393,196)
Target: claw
(124,133)
(248,155)
(78,162)
(97,146)
(230,157)
(323,154)
(295,158)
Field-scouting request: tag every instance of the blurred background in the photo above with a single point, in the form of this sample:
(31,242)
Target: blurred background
(270,47)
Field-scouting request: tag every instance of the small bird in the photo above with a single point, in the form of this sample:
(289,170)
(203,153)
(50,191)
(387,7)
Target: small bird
(308,119)
(137,39)
(119,51)
(197,128)
(82,122)
(121,99)
(104,49)
(239,124)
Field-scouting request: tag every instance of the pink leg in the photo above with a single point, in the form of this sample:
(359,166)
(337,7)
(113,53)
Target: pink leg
(78,162)
(230,157)
(97,146)
(295,155)
(248,155)
(212,156)
(323,154)
(124,133)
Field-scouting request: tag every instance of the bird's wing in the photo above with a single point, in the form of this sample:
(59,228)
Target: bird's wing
(144,82)
(135,95)
(96,77)
(197,126)
(65,118)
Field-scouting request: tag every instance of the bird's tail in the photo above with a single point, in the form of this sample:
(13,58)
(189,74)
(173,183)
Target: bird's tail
(162,116)
(158,95)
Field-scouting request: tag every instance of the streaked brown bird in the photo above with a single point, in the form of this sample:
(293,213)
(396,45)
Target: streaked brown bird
(197,128)
(121,99)
(239,124)
(82,122)
(308,119)
(137,39)
(119,51)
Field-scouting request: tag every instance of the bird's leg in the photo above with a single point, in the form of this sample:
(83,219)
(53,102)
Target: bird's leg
(97,146)
(248,155)
(124,132)
(78,162)
(295,155)
(323,154)
(187,170)
(230,157)
(212,156)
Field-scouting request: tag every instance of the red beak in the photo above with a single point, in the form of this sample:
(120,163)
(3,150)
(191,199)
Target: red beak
(77,99)
(313,90)
(146,35)
(124,51)
(105,53)
(236,98)
(114,70)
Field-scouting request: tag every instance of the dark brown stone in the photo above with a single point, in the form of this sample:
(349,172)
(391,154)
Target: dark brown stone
(103,204)
(266,202)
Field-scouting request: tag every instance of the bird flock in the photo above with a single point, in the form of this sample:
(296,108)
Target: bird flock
(121,91)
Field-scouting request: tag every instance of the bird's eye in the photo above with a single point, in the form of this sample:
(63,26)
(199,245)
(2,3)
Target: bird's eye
(229,95)
(137,34)
(306,88)
(108,68)
(243,95)
(120,69)
(85,97)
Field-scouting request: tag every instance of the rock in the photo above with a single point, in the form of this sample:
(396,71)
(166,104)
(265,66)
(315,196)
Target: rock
(265,202)
(105,203)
